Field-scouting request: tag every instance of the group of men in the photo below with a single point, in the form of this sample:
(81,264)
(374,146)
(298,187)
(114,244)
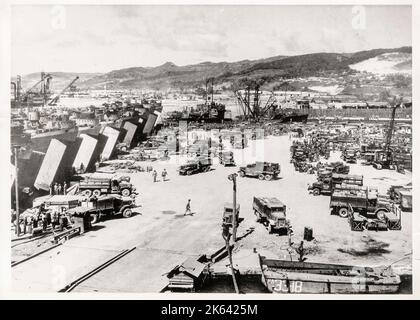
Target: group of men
(155,174)
(42,218)
(58,188)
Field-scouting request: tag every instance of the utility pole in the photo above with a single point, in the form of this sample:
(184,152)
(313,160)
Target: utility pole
(16,149)
(226,236)
(232,177)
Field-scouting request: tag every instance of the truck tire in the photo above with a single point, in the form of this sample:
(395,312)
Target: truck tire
(96,192)
(343,212)
(261,176)
(268,177)
(94,218)
(127,213)
(87,193)
(380,214)
(125,192)
(241,174)
(316,192)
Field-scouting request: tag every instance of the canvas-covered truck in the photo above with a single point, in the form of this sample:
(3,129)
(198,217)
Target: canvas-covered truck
(272,213)
(364,201)
(226,158)
(326,183)
(262,170)
(108,205)
(200,164)
(99,186)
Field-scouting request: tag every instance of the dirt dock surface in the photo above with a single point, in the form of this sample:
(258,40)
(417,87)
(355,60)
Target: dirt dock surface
(164,236)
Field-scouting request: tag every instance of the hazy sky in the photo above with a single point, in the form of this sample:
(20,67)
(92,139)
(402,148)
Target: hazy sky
(105,38)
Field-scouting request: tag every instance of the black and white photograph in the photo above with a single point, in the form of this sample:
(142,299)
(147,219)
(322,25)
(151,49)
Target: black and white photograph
(204,149)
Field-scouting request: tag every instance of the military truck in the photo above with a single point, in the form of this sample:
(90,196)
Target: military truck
(226,158)
(272,213)
(228,214)
(262,170)
(98,186)
(200,164)
(108,205)
(335,167)
(364,201)
(402,195)
(350,155)
(326,183)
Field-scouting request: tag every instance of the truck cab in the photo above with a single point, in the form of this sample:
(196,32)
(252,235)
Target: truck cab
(228,214)
(272,213)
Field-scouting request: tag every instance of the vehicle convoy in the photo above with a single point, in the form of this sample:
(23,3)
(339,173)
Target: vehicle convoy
(364,201)
(272,213)
(108,205)
(262,170)
(226,158)
(228,214)
(98,186)
(200,164)
(327,183)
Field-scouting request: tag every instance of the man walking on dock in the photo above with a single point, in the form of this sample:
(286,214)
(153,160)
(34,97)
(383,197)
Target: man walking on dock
(188,208)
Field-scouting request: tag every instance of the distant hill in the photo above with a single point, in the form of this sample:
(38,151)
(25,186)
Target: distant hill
(270,70)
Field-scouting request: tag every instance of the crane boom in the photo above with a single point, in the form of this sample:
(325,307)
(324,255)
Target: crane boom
(47,76)
(55,99)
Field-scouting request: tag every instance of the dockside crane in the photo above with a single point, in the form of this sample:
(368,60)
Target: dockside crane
(57,97)
(44,81)
(384,159)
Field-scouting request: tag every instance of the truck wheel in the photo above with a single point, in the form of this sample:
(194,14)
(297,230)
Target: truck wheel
(94,218)
(380,214)
(343,212)
(97,192)
(125,192)
(127,213)
(87,193)
(188,173)
(241,174)
(316,192)
(268,177)
(261,177)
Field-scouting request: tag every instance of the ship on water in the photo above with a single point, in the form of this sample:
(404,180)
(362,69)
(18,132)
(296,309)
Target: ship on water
(286,115)
(208,112)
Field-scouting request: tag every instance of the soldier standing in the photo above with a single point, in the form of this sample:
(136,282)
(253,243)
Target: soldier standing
(59,188)
(154,175)
(64,188)
(56,188)
(164,173)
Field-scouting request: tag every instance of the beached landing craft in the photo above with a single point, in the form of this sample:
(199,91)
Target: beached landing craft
(281,276)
